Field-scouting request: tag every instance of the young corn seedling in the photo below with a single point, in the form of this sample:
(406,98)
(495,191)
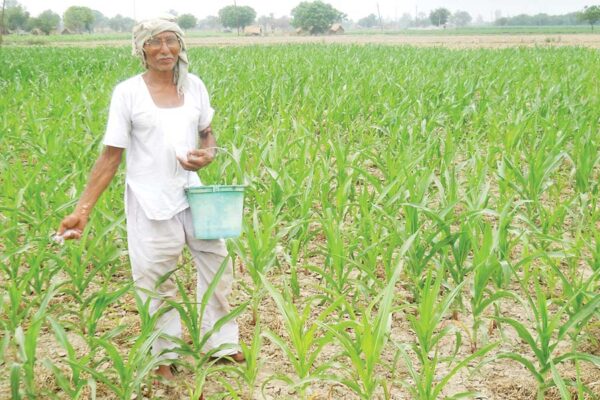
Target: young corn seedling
(375,245)
(77,268)
(96,304)
(26,340)
(127,372)
(17,308)
(364,336)
(585,157)
(192,313)
(338,254)
(22,295)
(430,312)
(545,157)
(258,251)
(549,330)
(248,372)
(75,384)
(43,267)
(485,266)
(438,237)
(306,340)
(122,374)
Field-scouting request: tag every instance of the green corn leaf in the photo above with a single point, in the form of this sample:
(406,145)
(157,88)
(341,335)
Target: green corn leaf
(15,381)
(591,308)
(525,362)
(560,383)
(524,335)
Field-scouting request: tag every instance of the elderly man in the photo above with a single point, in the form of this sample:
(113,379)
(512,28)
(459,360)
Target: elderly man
(162,117)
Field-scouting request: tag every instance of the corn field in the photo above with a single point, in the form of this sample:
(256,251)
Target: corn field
(419,224)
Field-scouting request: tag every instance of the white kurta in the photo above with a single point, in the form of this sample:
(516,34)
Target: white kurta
(159,222)
(153,136)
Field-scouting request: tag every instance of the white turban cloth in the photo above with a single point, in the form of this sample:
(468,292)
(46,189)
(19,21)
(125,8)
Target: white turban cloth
(147,29)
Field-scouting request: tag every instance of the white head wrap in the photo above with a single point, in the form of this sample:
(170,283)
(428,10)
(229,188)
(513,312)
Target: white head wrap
(147,29)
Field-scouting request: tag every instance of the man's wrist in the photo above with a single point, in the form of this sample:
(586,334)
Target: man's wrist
(83,210)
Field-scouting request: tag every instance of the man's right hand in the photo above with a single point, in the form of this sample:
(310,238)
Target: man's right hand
(72,226)
(105,168)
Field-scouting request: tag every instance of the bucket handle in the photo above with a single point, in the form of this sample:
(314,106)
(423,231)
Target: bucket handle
(223,149)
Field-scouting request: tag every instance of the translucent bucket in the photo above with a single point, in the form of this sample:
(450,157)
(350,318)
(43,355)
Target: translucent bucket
(216,210)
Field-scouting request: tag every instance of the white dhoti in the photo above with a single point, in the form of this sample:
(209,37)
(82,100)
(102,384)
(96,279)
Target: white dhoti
(154,249)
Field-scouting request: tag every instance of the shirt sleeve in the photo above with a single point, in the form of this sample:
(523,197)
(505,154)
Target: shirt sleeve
(118,127)
(206,112)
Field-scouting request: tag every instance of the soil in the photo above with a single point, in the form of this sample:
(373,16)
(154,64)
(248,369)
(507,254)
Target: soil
(449,41)
(498,379)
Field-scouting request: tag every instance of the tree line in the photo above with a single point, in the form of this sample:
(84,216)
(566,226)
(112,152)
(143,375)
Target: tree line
(75,19)
(314,17)
(443,17)
(589,15)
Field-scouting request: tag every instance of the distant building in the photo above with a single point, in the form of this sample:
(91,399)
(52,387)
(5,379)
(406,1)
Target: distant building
(336,29)
(253,30)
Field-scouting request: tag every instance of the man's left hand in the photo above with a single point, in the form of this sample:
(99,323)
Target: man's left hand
(196,159)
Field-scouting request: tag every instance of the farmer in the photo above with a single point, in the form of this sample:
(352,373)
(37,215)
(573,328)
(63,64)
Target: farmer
(162,117)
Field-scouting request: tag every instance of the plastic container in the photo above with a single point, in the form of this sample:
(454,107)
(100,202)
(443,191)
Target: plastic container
(216,210)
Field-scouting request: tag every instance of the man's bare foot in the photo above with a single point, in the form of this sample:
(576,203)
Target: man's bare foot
(238,357)
(165,372)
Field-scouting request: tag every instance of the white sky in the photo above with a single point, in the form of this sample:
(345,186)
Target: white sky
(355,9)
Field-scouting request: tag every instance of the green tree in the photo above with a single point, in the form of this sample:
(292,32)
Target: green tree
(315,17)
(16,17)
(237,16)
(211,22)
(369,21)
(501,21)
(100,20)
(591,15)
(541,19)
(439,17)
(187,21)
(120,23)
(46,21)
(461,18)
(79,19)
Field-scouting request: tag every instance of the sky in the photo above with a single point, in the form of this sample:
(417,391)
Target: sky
(354,9)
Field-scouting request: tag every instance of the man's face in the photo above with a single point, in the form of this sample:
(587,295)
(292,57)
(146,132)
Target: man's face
(162,51)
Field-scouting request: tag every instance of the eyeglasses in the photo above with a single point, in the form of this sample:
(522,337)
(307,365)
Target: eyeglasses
(156,44)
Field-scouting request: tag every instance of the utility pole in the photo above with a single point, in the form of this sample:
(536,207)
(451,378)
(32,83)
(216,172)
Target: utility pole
(380,21)
(237,18)
(416,14)
(2,21)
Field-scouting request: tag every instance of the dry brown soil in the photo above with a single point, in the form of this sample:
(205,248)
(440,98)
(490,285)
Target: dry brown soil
(454,41)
